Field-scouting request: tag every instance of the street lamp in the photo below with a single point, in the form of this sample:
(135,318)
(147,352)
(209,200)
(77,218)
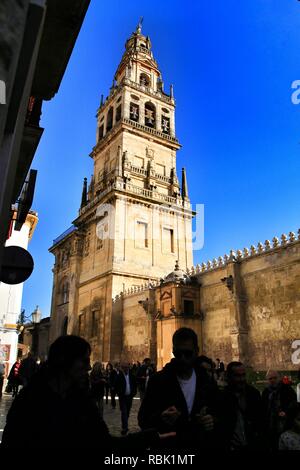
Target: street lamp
(36,318)
(36,315)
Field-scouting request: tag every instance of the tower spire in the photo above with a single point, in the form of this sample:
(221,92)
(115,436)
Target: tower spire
(184,187)
(84,193)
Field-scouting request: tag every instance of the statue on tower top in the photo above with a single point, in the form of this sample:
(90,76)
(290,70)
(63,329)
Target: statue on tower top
(139,26)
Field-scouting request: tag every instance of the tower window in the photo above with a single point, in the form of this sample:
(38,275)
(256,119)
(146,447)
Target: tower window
(118,113)
(95,323)
(188,307)
(100,237)
(150,118)
(165,124)
(81,325)
(109,119)
(100,132)
(168,240)
(141,235)
(65,293)
(134,112)
(144,79)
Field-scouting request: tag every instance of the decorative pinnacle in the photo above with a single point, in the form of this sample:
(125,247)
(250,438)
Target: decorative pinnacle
(84,193)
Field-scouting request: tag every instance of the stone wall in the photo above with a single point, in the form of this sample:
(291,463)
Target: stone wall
(263,304)
(249,305)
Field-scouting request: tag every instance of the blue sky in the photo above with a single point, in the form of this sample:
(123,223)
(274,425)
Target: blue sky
(232,65)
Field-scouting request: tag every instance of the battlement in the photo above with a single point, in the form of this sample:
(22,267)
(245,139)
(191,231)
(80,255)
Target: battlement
(246,253)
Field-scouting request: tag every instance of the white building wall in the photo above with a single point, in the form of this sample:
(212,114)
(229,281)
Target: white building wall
(10,304)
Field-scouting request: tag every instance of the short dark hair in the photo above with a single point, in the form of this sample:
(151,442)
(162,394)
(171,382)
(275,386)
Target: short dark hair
(185,334)
(231,366)
(206,359)
(65,351)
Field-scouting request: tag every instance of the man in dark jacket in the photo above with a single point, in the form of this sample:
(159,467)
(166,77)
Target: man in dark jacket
(143,374)
(180,397)
(240,412)
(125,386)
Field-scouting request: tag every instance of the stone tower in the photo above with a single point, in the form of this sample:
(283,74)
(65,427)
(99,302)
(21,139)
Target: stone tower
(134,222)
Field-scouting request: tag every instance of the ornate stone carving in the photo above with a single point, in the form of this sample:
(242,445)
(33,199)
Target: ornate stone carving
(229,282)
(260,247)
(292,237)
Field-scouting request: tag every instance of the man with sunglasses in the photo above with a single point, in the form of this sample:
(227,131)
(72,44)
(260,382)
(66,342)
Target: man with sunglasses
(181,397)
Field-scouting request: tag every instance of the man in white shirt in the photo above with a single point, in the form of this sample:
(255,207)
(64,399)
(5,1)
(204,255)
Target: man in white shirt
(179,397)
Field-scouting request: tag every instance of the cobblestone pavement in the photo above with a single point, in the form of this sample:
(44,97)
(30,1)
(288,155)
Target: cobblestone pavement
(111,416)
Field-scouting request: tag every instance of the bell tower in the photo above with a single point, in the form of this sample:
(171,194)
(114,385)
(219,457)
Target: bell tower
(135,169)
(134,220)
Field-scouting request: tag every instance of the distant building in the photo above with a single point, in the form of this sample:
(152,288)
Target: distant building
(36,41)
(35,339)
(11,295)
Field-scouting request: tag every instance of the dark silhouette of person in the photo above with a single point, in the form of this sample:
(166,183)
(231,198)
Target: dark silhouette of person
(276,399)
(241,412)
(220,368)
(108,371)
(14,378)
(144,372)
(55,410)
(97,384)
(2,374)
(181,397)
(27,369)
(125,386)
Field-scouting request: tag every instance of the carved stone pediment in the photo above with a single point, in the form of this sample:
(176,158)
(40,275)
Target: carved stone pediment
(166,295)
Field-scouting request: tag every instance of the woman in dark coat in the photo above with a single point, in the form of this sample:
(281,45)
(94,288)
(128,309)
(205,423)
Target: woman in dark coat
(14,379)
(97,381)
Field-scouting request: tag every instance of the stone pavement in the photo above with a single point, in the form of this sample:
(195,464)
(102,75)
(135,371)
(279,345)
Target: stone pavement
(5,403)
(111,417)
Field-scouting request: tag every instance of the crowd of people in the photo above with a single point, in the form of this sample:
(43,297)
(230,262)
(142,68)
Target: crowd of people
(192,404)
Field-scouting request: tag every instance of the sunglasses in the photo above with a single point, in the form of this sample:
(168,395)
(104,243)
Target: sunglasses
(178,353)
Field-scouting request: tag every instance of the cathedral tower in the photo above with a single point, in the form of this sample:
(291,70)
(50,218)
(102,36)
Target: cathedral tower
(134,222)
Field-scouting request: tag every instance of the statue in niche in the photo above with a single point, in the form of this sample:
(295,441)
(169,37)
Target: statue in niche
(149,116)
(165,125)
